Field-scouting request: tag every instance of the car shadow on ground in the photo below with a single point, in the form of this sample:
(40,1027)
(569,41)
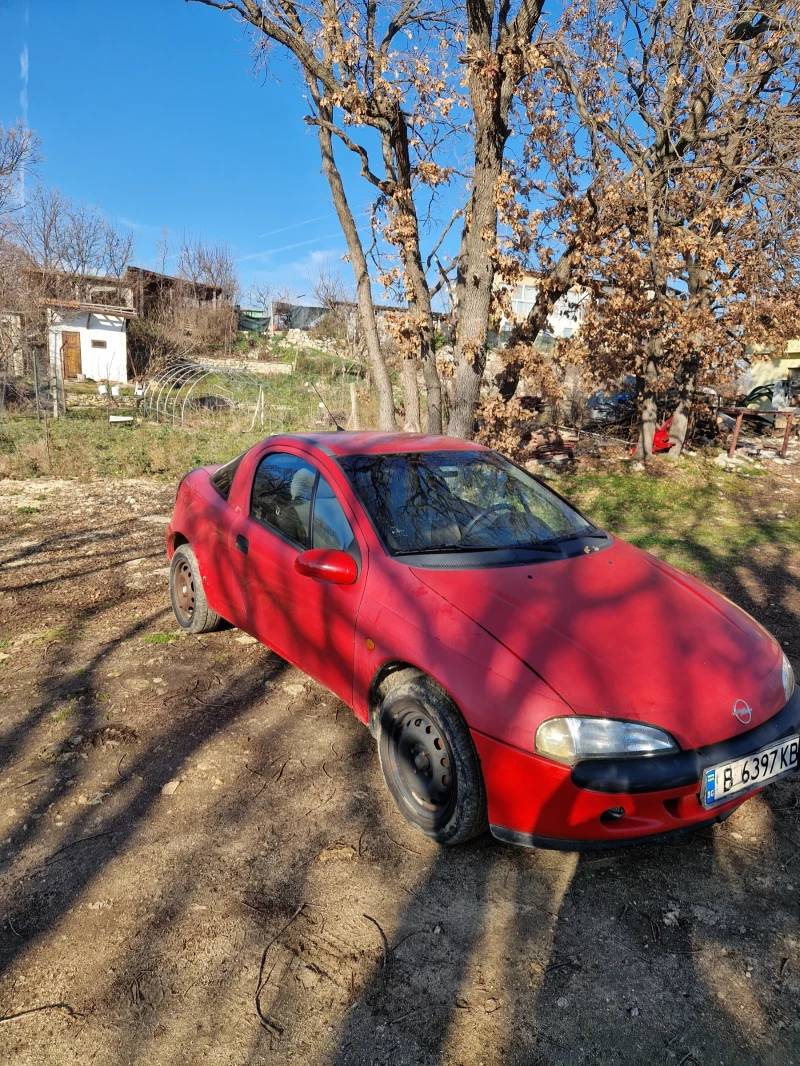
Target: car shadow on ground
(675,954)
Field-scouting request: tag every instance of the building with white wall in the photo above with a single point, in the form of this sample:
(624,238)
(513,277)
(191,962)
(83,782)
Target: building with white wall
(88,340)
(565,318)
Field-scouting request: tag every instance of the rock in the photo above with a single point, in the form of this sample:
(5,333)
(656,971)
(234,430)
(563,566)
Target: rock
(170,788)
(729,464)
(634,1012)
(490,1006)
(245,638)
(671,917)
(294,690)
(638,467)
(562,1002)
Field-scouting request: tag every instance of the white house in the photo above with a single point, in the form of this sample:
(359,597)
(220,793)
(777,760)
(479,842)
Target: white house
(88,340)
(565,318)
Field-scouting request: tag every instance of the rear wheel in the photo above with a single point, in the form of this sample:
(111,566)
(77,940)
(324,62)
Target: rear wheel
(188,597)
(429,761)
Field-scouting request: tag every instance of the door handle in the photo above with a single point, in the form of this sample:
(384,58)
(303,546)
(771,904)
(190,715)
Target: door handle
(242,544)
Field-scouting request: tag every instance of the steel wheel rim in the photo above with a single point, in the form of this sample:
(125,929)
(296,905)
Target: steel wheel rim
(421,764)
(183,591)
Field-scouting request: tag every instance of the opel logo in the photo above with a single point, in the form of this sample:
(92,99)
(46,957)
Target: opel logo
(743,711)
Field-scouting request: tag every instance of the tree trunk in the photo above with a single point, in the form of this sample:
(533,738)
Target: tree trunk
(358,260)
(648,418)
(491,96)
(412,421)
(680,416)
(474,283)
(404,212)
(700,298)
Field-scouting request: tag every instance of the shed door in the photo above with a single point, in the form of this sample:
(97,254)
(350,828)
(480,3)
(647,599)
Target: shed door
(71,353)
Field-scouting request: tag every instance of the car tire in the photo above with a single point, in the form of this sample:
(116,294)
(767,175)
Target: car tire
(429,761)
(188,597)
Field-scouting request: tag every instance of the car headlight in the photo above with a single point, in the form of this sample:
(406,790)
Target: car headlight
(569,740)
(787,676)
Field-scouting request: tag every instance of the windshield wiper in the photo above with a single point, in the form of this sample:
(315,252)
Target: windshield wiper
(596,533)
(442,548)
(436,548)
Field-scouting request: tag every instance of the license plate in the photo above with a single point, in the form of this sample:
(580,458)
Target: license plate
(721,783)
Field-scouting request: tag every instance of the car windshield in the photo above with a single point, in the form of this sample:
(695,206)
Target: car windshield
(458,501)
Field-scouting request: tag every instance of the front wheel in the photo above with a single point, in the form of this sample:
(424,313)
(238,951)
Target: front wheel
(429,761)
(187,594)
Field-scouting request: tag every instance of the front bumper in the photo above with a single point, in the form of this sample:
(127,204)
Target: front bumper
(602,803)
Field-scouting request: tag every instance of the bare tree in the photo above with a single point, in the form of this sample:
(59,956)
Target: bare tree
(208,263)
(497,61)
(349,59)
(76,240)
(20,152)
(393,68)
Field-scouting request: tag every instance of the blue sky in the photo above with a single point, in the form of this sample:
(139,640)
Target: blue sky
(151,111)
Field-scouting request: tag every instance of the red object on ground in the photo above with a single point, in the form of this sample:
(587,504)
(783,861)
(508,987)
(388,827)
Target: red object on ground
(661,441)
(608,632)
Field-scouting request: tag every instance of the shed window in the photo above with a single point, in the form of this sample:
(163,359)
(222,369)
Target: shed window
(99,344)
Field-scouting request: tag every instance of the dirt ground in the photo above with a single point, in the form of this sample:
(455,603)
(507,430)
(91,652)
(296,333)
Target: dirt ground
(182,818)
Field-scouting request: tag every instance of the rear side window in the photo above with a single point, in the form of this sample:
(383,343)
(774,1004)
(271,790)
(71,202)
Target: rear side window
(282,492)
(222,479)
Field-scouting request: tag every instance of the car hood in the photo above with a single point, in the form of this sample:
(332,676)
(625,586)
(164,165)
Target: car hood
(621,634)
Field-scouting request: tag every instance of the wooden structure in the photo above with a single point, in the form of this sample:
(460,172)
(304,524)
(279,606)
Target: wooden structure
(741,413)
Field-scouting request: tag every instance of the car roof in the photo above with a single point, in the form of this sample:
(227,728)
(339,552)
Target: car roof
(374,443)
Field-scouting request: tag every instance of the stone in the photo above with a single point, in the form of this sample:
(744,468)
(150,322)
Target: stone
(170,788)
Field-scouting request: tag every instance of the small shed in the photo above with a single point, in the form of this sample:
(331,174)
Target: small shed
(88,340)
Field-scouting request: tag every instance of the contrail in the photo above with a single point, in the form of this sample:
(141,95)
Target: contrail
(23,73)
(286,247)
(307,222)
(24,69)
(283,229)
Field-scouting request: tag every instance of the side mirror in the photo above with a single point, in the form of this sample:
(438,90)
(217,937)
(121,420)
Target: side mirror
(327,564)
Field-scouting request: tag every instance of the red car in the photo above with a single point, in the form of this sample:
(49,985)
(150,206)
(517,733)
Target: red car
(519,666)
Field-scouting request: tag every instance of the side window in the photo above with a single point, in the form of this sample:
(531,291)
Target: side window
(330,528)
(282,491)
(222,479)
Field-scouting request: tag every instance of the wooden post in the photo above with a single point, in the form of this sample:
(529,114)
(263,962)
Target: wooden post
(735,437)
(36,386)
(789,420)
(354,423)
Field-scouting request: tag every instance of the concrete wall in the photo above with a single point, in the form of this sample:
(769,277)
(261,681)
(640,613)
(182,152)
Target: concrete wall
(100,364)
(765,371)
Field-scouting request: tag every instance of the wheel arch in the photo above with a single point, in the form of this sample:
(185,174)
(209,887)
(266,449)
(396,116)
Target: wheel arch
(392,671)
(175,541)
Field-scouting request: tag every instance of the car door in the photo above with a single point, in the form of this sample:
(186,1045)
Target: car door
(308,621)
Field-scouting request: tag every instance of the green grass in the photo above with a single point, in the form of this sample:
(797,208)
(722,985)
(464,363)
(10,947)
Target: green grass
(83,444)
(48,636)
(695,516)
(60,716)
(28,510)
(159,638)
(6,642)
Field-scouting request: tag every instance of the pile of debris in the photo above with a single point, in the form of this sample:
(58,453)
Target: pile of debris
(547,446)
